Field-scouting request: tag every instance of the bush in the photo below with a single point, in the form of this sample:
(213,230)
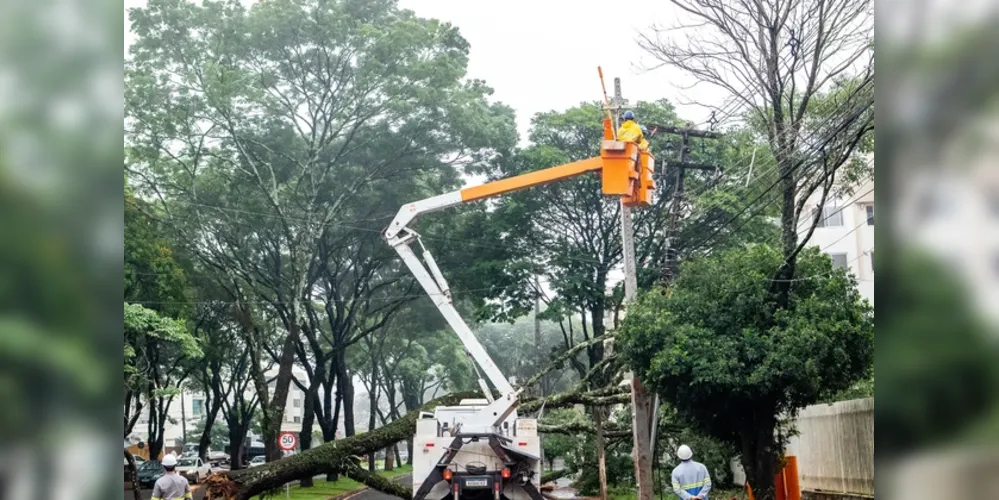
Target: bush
(620,467)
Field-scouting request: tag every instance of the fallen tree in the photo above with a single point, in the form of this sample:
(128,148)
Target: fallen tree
(341,455)
(576,428)
(333,456)
(559,361)
(554,475)
(608,396)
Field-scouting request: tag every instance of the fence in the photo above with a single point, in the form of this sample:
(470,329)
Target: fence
(834,446)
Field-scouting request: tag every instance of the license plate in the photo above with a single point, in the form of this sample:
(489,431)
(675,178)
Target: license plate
(476,483)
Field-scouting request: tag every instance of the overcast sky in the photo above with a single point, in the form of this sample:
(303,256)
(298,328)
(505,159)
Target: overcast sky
(543,55)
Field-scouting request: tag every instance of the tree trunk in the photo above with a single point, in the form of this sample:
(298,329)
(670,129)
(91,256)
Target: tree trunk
(274,409)
(345,392)
(760,452)
(308,416)
(395,453)
(372,408)
(206,435)
(334,474)
(133,475)
(598,421)
(409,451)
(390,457)
(237,441)
(245,484)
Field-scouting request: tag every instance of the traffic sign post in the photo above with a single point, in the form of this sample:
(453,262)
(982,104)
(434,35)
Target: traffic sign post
(287,441)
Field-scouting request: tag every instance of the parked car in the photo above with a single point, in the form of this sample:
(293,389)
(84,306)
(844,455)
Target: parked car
(193,469)
(149,472)
(258,460)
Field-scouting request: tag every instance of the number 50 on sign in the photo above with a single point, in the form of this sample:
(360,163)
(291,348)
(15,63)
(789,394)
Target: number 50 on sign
(287,441)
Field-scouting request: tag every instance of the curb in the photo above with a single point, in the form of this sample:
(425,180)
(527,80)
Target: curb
(351,494)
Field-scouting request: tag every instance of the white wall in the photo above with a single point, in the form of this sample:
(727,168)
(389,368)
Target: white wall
(834,446)
(853,238)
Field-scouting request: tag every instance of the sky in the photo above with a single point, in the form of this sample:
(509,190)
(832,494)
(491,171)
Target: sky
(543,55)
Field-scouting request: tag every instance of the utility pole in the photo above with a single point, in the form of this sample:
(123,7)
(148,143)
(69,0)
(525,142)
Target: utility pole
(183,419)
(681,165)
(537,330)
(670,260)
(641,399)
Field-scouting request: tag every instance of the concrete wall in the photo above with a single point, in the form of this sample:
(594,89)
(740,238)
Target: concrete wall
(835,447)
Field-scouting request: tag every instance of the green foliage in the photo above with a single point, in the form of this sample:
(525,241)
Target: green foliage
(715,349)
(152,276)
(219,434)
(620,467)
(558,445)
(140,321)
(938,374)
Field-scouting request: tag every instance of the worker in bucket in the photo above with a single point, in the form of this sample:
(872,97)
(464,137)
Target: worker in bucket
(690,478)
(643,145)
(630,130)
(171,486)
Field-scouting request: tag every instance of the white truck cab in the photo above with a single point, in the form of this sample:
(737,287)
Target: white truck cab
(450,460)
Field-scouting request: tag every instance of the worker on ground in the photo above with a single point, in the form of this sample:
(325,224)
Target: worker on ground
(690,478)
(171,486)
(630,130)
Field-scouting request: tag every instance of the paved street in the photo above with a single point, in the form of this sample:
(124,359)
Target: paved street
(370,494)
(199,494)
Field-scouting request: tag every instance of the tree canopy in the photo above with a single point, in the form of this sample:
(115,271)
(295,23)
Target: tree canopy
(731,366)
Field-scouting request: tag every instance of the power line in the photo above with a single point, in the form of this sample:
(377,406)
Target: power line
(700,244)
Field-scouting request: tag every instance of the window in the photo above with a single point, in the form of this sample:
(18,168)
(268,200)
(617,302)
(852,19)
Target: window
(297,419)
(296,403)
(838,260)
(831,216)
(197,407)
(870,215)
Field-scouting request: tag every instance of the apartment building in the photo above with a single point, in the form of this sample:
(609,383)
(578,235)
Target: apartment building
(845,231)
(188,408)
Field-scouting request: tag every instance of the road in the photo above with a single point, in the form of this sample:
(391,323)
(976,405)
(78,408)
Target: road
(198,493)
(370,494)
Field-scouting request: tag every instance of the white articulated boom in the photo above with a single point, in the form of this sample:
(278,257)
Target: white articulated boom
(430,278)
(481,447)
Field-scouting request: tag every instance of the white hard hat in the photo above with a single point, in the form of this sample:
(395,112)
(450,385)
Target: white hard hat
(684,452)
(170,460)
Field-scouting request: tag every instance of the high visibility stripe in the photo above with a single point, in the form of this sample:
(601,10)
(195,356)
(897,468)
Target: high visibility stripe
(695,485)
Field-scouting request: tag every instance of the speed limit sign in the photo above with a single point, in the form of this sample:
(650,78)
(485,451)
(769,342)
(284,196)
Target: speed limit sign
(287,441)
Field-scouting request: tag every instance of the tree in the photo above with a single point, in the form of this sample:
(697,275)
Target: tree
(939,361)
(218,433)
(262,131)
(734,369)
(772,59)
(558,445)
(158,347)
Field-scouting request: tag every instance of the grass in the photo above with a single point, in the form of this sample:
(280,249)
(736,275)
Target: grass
(628,493)
(322,489)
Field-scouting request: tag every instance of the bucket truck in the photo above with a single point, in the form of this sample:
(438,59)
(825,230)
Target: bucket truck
(482,448)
